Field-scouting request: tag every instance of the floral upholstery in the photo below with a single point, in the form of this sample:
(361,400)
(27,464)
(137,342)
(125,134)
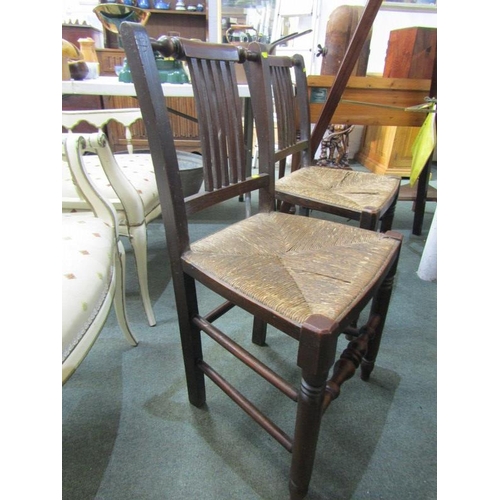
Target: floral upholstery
(138,169)
(131,188)
(87,273)
(93,261)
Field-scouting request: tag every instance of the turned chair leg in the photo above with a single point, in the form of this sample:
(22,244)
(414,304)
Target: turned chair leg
(379,307)
(317,346)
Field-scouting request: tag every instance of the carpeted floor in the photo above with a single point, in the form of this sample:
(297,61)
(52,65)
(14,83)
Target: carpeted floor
(129,432)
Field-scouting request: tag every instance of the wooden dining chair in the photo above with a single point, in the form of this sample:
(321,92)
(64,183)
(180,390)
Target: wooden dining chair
(307,277)
(360,196)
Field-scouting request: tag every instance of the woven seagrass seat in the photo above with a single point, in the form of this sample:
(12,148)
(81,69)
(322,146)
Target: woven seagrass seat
(294,265)
(361,196)
(351,190)
(306,277)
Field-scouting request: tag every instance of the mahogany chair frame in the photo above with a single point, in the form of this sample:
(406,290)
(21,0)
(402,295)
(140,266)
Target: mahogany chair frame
(212,70)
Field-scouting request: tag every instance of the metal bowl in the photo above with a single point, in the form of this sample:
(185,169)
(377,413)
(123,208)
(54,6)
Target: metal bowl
(191,169)
(112,15)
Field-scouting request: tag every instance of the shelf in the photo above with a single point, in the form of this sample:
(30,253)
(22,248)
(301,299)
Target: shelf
(176,12)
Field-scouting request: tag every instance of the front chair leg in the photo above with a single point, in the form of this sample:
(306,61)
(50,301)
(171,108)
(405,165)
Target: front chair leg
(307,425)
(317,346)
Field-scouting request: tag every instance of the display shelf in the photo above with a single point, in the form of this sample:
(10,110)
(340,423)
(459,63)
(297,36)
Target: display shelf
(189,24)
(177,12)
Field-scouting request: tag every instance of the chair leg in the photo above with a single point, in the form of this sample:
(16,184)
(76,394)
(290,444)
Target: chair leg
(307,425)
(192,353)
(259,331)
(317,346)
(387,219)
(119,298)
(379,307)
(368,219)
(138,240)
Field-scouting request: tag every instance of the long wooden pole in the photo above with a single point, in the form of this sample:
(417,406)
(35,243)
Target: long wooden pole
(344,72)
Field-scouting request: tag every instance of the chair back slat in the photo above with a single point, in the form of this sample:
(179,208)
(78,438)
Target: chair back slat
(219,111)
(213,76)
(284,105)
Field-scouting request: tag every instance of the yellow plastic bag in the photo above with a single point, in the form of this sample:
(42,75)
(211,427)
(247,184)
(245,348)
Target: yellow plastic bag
(424,145)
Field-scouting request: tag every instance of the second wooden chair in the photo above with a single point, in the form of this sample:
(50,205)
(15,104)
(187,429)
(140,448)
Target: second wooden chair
(360,196)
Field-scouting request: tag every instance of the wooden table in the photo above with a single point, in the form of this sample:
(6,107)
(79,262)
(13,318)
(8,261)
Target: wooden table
(380,101)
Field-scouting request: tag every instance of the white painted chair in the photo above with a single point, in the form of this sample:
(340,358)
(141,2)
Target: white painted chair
(93,262)
(134,179)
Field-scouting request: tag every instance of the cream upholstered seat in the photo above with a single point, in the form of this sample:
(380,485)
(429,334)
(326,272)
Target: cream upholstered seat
(142,201)
(93,263)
